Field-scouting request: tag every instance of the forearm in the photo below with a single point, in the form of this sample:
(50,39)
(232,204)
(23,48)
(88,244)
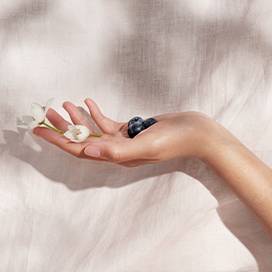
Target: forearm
(184,134)
(249,177)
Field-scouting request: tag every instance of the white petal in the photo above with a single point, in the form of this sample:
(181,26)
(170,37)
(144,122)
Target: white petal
(33,124)
(85,133)
(72,133)
(68,134)
(37,112)
(72,137)
(48,104)
(71,127)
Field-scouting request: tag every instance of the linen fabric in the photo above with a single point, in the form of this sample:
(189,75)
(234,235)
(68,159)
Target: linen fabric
(144,57)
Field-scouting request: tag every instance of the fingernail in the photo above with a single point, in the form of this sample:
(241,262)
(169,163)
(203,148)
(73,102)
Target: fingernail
(92,151)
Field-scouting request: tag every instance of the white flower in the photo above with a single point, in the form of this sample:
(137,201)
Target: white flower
(77,133)
(38,114)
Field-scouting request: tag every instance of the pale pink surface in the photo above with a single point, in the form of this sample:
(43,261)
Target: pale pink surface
(133,57)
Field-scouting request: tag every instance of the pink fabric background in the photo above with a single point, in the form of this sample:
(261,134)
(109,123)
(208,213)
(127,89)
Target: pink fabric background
(133,57)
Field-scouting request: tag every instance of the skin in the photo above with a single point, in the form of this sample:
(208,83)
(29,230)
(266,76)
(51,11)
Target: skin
(186,134)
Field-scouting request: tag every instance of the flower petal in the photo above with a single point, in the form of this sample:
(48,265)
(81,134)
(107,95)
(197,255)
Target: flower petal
(85,133)
(68,134)
(37,112)
(33,124)
(71,127)
(48,104)
(77,133)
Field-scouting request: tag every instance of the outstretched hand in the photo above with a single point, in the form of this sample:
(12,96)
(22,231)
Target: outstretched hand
(174,135)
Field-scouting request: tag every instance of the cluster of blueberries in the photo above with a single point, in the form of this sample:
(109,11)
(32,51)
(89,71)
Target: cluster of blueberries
(138,124)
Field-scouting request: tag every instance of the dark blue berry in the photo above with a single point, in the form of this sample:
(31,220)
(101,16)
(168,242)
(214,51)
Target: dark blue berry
(149,122)
(138,124)
(135,129)
(135,119)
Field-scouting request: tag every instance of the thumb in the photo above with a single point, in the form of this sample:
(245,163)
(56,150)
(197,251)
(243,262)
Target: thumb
(102,151)
(93,151)
(118,152)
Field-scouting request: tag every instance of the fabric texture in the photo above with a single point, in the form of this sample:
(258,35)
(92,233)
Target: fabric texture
(142,57)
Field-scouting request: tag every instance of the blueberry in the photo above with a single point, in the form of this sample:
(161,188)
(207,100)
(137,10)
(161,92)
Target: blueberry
(135,119)
(149,122)
(136,124)
(134,129)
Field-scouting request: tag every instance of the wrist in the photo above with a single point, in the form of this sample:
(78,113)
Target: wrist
(216,140)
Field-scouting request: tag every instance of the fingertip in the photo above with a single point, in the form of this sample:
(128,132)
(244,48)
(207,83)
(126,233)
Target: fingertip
(51,115)
(88,101)
(34,131)
(50,112)
(38,131)
(66,104)
(69,107)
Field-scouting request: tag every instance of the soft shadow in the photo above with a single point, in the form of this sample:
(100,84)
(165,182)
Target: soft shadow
(55,164)
(136,59)
(78,174)
(20,13)
(24,11)
(164,39)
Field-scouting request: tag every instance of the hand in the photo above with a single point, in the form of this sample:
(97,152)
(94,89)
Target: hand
(174,135)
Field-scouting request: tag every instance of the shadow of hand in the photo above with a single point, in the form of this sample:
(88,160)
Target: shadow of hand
(75,174)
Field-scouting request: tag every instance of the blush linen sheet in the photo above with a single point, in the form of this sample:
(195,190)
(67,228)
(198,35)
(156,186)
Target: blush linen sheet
(144,57)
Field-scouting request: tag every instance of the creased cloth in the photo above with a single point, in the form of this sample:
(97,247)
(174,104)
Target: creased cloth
(144,57)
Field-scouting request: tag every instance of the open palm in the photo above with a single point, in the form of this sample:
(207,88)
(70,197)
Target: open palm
(114,144)
(175,134)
